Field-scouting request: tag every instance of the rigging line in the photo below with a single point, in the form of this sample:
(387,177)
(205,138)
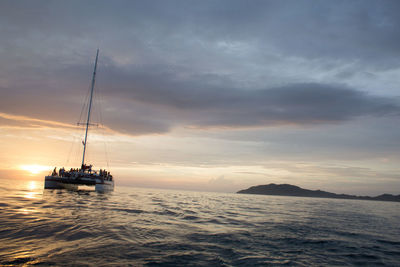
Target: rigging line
(84,106)
(78,152)
(105,149)
(85,103)
(74,137)
(100,100)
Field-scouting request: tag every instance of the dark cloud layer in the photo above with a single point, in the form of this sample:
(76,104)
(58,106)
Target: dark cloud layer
(140,101)
(367,31)
(201,64)
(294,104)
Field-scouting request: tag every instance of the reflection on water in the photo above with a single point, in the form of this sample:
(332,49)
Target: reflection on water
(32,185)
(132,226)
(32,190)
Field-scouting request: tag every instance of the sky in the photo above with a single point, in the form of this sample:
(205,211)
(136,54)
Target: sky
(205,95)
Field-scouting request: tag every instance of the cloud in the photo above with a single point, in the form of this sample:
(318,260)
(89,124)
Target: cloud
(229,65)
(365,31)
(146,100)
(196,102)
(10,120)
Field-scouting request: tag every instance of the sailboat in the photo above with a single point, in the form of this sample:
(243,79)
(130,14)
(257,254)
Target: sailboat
(85,175)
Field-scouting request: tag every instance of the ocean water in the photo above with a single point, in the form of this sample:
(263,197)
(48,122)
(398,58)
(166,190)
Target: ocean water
(151,227)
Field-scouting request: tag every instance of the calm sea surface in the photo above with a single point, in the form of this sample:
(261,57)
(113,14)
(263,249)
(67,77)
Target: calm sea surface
(150,227)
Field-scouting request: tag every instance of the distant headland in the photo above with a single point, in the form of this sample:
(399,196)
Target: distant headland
(295,191)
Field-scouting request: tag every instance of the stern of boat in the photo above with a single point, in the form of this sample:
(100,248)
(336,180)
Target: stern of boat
(104,186)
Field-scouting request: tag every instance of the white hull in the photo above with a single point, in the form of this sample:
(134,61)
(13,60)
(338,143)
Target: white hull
(104,187)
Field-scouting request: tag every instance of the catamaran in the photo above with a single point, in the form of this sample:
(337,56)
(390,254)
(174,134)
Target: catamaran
(85,175)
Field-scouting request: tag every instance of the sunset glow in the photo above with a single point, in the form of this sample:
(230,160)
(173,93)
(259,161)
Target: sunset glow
(35,168)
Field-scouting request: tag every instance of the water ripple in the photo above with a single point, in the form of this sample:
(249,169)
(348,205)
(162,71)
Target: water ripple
(146,227)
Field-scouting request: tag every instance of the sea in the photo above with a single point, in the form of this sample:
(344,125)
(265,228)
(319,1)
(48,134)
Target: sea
(154,227)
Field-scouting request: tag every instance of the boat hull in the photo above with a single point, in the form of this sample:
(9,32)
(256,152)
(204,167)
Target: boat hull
(105,186)
(51,182)
(57,182)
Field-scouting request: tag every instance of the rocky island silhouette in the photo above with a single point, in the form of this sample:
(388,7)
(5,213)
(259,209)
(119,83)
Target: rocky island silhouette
(295,191)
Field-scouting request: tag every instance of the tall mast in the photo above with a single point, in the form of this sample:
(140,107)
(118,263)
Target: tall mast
(90,107)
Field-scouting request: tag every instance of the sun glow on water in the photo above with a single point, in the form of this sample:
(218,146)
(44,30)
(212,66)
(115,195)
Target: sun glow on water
(32,186)
(34,168)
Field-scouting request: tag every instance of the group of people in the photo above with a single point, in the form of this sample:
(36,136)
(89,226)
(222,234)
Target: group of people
(104,173)
(78,172)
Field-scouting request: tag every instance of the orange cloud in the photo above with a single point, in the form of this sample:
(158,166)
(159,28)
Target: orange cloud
(24,121)
(20,121)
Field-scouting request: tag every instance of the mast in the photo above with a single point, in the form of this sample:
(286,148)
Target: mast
(90,107)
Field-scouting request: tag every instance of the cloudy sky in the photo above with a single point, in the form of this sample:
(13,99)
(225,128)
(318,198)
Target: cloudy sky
(206,95)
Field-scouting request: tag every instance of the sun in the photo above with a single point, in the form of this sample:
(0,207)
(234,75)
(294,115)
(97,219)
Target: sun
(34,168)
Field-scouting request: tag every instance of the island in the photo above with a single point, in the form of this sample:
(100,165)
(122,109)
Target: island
(295,191)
